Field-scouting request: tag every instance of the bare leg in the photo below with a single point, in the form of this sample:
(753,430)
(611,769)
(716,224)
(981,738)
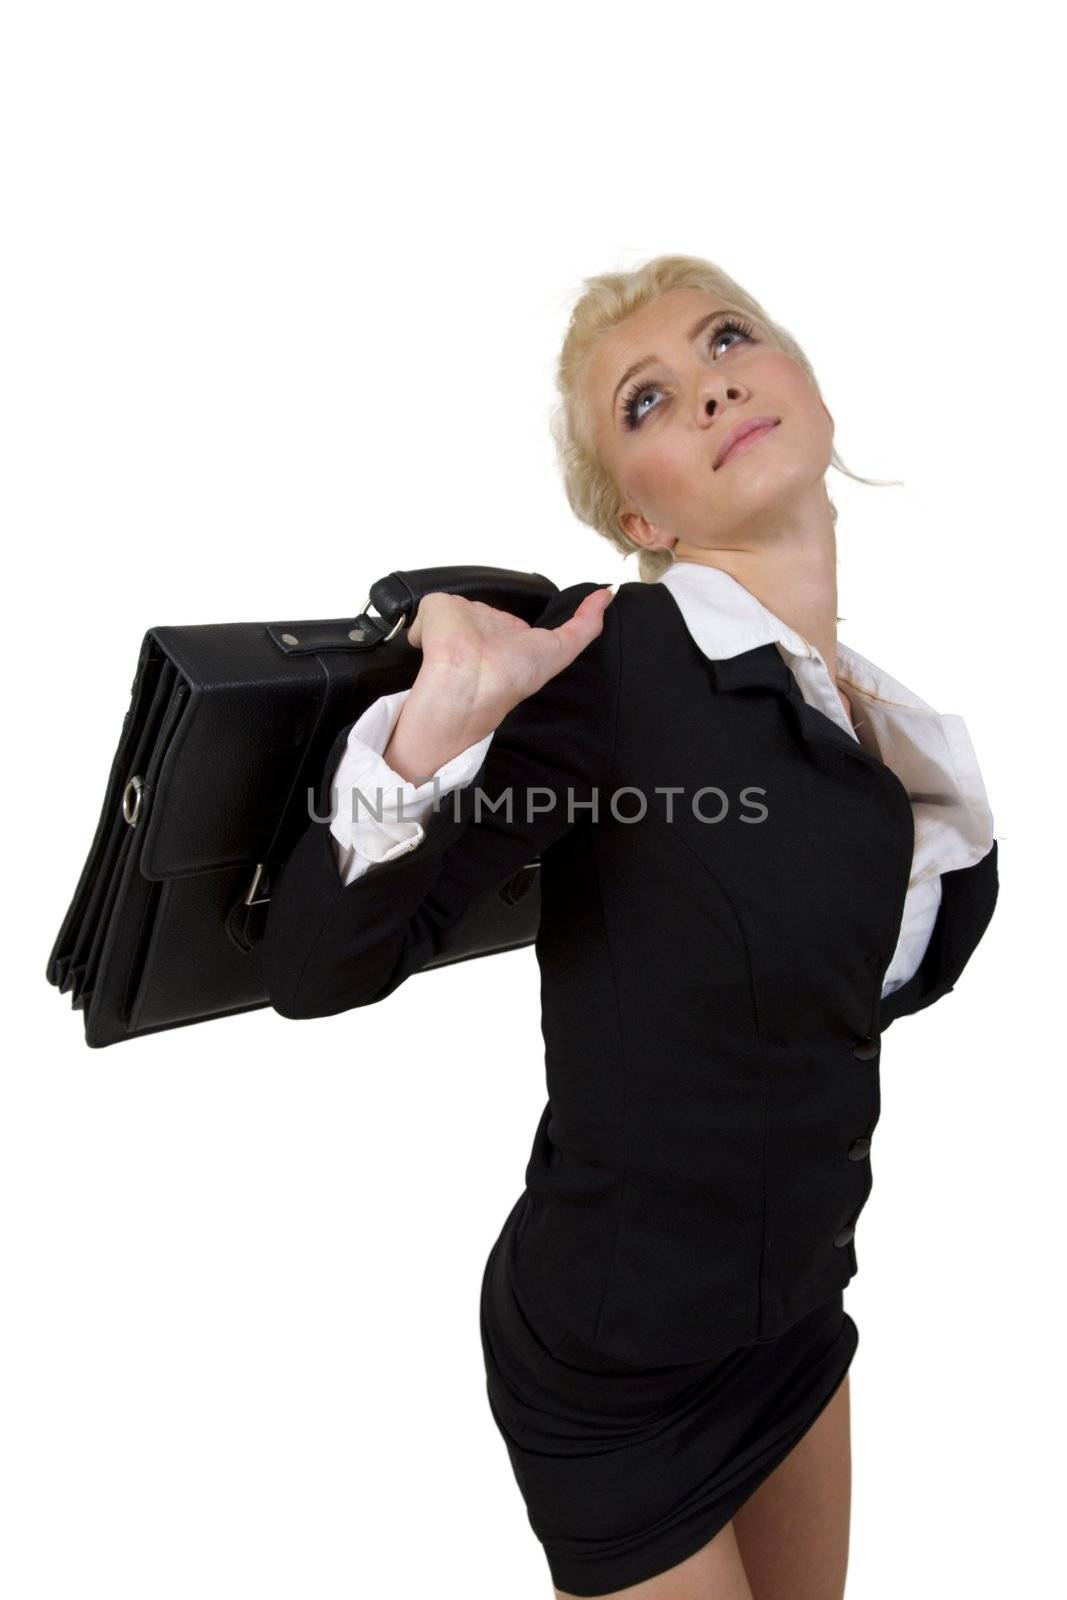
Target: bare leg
(714,1572)
(793,1530)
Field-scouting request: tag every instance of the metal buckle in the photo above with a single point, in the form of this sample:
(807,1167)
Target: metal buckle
(131,799)
(401,621)
(250,899)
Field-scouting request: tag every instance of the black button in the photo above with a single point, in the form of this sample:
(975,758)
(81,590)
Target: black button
(858,1149)
(866,1049)
(844,1236)
(872,961)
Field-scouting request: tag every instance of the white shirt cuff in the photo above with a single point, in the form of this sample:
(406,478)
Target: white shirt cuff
(376,814)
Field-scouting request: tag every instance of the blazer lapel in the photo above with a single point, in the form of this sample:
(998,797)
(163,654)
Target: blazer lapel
(826,744)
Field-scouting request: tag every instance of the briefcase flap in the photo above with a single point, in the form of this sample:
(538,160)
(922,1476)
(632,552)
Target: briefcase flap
(248,742)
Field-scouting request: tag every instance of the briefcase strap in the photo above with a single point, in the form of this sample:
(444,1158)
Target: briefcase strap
(396,598)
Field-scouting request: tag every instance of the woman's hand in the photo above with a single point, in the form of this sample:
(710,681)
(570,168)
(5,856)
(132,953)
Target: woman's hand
(477,664)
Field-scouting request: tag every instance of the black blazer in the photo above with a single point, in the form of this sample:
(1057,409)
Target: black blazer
(712,945)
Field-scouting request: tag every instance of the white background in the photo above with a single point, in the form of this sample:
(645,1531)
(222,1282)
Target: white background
(284,290)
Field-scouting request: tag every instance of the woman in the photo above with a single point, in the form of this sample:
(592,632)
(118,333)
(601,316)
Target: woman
(757,851)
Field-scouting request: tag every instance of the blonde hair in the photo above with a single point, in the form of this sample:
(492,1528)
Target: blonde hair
(591,491)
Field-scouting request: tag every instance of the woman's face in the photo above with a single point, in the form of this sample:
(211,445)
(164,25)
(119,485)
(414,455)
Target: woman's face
(659,429)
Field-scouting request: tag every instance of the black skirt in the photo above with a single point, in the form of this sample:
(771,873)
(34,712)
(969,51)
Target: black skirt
(626,1470)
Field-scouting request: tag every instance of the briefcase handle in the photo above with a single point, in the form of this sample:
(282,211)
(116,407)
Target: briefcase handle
(396,599)
(524,594)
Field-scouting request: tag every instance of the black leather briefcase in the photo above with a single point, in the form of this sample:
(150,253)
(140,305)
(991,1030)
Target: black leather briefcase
(228,727)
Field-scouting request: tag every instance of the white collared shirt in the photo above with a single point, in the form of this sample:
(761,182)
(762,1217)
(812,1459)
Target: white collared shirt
(931,754)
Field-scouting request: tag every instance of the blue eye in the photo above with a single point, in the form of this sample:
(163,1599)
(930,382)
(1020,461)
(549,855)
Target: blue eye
(725,325)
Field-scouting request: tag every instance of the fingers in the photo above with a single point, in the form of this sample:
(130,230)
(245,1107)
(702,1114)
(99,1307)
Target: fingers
(584,626)
(414,632)
(578,631)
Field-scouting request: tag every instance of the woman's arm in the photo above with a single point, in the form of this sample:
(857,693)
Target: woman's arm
(329,946)
(377,814)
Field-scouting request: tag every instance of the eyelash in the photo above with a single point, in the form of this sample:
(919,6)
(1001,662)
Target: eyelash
(727,325)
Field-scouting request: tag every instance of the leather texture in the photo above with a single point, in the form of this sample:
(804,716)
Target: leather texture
(221,752)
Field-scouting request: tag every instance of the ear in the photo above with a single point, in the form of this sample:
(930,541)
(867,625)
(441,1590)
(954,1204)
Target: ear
(642,532)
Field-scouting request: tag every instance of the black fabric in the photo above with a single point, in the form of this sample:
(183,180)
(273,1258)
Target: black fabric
(627,1470)
(710,988)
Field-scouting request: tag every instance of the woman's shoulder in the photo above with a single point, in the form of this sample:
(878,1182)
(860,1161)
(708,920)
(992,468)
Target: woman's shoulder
(636,623)
(634,596)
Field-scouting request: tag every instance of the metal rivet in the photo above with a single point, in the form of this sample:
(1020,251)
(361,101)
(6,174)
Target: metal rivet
(356,633)
(290,638)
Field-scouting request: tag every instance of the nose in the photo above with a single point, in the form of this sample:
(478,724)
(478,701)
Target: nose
(714,395)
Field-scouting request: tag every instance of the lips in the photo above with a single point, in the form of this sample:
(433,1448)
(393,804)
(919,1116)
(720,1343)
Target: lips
(741,430)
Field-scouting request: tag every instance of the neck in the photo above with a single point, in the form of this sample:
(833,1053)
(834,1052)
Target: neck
(794,574)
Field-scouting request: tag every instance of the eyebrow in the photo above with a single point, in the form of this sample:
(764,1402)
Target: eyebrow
(647,361)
